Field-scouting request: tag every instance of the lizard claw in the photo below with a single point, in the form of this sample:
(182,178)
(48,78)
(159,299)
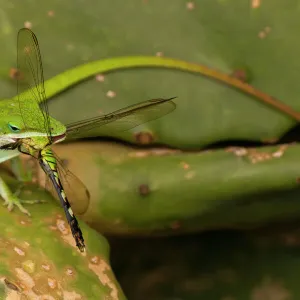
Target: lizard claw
(15,201)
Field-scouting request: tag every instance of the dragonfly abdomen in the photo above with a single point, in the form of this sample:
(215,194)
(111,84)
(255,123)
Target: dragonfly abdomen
(48,163)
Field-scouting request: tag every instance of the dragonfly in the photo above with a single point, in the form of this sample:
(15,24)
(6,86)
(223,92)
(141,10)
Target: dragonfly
(32,130)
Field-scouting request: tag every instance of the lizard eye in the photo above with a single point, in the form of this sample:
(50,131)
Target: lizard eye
(13,127)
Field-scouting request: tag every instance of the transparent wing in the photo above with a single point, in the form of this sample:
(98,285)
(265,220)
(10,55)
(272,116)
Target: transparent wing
(125,118)
(75,190)
(31,78)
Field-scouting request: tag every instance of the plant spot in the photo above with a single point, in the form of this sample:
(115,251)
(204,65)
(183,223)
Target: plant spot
(240,74)
(255,3)
(184,165)
(238,151)
(100,77)
(69,272)
(52,283)
(267,29)
(50,13)
(190,5)
(139,154)
(25,279)
(111,94)
(144,138)
(101,270)
(61,225)
(159,54)
(14,74)
(11,285)
(71,295)
(19,251)
(95,260)
(144,189)
(28,24)
(46,267)
(262,34)
(28,266)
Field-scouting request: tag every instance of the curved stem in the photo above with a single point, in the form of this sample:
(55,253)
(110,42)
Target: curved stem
(64,80)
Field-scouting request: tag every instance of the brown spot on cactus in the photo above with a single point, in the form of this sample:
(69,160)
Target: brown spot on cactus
(67,235)
(184,165)
(62,227)
(14,74)
(240,74)
(28,24)
(52,283)
(101,270)
(190,5)
(144,189)
(46,267)
(28,266)
(11,285)
(71,295)
(95,259)
(111,94)
(144,138)
(69,272)
(25,278)
(19,251)
(255,3)
(100,77)
(50,13)
(238,151)
(255,155)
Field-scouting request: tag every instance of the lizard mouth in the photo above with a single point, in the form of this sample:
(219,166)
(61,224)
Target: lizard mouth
(58,138)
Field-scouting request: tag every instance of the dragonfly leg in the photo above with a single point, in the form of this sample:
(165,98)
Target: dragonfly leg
(10,199)
(18,191)
(21,174)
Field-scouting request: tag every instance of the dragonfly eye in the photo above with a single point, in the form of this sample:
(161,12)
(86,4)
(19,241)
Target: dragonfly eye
(13,128)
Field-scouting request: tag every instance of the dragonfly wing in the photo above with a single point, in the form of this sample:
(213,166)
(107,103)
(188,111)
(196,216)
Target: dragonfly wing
(124,119)
(76,192)
(30,76)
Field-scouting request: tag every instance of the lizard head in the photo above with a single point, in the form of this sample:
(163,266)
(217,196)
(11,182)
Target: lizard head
(30,126)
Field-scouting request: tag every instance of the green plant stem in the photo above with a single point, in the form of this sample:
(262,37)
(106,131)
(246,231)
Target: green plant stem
(64,80)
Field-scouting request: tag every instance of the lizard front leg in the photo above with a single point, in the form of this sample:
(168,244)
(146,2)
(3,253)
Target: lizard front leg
(11,199)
